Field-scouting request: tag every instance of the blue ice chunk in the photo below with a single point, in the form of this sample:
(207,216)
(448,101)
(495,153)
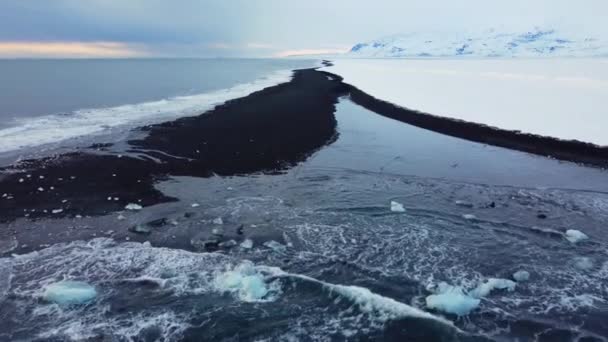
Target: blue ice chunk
(451,299)
(69,292)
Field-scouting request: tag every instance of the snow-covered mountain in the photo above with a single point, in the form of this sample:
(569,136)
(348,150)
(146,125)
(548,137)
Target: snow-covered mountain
(491,43)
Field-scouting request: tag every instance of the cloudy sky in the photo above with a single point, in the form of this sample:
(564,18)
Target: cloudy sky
(261,28)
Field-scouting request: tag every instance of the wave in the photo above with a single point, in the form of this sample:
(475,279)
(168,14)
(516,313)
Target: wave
(54,128)
(142,288)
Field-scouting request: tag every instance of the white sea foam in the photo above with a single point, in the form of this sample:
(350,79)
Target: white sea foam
(48,129)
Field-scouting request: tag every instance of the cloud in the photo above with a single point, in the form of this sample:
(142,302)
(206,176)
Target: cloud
(69,49)
(259,46)
(303,52)
(219,46)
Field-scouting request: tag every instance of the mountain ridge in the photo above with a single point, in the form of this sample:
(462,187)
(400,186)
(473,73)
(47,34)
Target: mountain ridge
(490,43)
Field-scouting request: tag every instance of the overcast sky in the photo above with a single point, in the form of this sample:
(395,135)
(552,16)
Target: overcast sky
(258,28)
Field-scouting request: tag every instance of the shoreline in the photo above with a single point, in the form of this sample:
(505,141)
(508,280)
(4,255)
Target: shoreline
(268,131)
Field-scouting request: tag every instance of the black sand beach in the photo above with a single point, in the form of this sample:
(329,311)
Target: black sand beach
(268,131)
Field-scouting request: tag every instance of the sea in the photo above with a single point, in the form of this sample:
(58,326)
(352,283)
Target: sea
(388,233)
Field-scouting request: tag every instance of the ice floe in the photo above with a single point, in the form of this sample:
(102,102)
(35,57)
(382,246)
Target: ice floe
(69,292)
(521,275)
(247,244)
(397,207)
(575,236)
(133,206)
(484,289)
(247,283)
(451,299)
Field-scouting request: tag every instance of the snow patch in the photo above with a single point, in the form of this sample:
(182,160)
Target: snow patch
(536,96)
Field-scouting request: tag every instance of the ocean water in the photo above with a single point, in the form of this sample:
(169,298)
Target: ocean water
(46,102)
(317,254)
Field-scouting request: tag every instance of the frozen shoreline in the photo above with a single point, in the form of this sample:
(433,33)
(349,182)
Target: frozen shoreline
(558,98)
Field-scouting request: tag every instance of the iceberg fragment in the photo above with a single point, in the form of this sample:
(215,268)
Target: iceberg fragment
(397,207)
(133,206)
(245,281)
(469,216)
(583,263)
(521,275)
(69,292)
(451,299)
(484,289)
(275,246)
(575,236)
(247,244)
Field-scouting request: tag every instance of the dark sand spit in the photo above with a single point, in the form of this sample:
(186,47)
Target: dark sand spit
(267,131)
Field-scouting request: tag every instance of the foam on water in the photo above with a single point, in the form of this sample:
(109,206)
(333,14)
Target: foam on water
(48,129)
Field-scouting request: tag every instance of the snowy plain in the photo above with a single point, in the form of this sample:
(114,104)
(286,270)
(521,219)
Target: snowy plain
(563,98)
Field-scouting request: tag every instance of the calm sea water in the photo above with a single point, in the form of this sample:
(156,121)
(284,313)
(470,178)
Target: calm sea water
(46,102)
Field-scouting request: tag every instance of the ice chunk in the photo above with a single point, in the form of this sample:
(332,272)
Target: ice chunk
(247,244)
(521,275)
(218,221)
(275,246)
(484,289)
(451,299)
(194,205)
(397,207)
(583,263)
(244,281)
(69,292)
(575,236)
(57,211)
(133,206)
(469,216)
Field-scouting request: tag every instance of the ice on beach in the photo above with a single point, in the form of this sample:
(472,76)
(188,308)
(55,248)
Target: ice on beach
(57,211)
(484,289)
(69,292)
(452,300)
(244,281)
(133,206)
(521,275)
(247,244)
(397,207)
(575,236)
(537,96)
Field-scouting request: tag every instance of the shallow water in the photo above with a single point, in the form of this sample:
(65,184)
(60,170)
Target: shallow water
(342,266)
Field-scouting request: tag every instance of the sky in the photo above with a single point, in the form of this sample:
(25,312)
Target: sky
(263,28)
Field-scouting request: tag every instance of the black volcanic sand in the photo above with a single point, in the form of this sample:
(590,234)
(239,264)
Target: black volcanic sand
(268,131)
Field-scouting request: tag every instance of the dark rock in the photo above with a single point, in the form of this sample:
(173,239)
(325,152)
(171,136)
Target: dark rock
(158,223)
(541,216)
